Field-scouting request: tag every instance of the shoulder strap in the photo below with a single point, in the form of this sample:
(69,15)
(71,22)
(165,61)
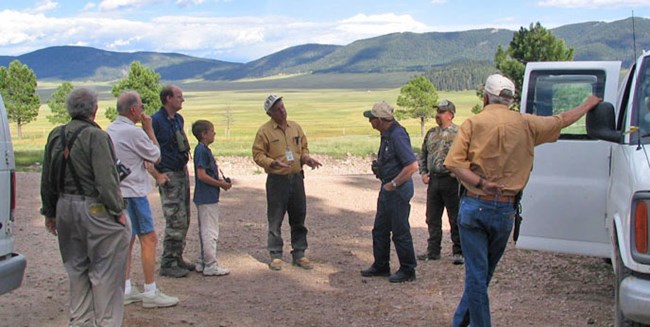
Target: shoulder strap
(66,155)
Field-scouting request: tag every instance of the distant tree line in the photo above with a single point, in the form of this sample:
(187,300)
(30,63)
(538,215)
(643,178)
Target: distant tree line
(460,76)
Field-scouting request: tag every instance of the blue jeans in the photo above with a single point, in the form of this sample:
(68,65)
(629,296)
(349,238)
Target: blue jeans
(484,231)
(393,209)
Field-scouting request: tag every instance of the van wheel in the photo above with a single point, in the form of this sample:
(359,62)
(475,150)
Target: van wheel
(621,273)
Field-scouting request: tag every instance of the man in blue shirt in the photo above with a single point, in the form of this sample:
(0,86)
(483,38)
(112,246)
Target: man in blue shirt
(173,181)
(394,166)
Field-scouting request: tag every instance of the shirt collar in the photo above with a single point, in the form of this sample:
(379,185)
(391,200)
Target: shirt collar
(276,125)
(390,129)
(124,120)
(496,106)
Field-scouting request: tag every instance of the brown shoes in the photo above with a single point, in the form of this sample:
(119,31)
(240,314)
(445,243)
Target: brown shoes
(303,263)
(276,264)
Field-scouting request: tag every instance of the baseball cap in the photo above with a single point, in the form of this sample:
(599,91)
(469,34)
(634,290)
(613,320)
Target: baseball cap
(495,84)
(270,101)
(380,110)
(446,105)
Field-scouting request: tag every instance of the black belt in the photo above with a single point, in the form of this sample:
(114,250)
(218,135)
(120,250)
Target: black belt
(439,174)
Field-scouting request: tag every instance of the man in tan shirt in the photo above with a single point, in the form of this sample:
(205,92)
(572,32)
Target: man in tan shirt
(493,156)
(280,148)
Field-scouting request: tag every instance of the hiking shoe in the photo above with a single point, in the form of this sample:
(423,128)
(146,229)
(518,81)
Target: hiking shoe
(374,272)
(303,263)
(133,296)
(457,259)
(159,300)
(276,264)
(215,270)
(174,271)
(198,267)
(187,265)
(401,277)
(427,257)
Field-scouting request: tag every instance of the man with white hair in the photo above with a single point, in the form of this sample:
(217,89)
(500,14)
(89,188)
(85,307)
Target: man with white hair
(83,207)
(137,147)
(493,156)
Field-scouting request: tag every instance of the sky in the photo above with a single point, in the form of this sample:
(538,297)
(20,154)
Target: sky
(246,30)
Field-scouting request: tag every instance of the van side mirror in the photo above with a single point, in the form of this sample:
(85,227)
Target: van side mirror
(601,123)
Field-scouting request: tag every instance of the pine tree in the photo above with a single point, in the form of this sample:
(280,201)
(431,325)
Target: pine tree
(143,80)
(57,104)
(18,89)
(533,44)
(418,98)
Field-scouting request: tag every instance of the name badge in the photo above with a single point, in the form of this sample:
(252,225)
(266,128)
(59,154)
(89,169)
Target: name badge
(289,155)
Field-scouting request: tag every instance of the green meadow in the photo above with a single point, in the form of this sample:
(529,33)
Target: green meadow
(331,118)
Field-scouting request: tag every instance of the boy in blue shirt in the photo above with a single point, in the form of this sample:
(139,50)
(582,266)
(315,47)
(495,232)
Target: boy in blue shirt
(206,197)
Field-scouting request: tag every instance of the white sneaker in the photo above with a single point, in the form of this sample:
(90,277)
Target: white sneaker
(133,297)
(215,270)
(159,300)
(198,267)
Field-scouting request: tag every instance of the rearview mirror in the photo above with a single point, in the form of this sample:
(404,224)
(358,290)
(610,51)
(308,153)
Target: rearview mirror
(601,123)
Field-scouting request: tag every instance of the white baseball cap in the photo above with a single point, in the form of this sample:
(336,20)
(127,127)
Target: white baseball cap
(270,101)
(495,84)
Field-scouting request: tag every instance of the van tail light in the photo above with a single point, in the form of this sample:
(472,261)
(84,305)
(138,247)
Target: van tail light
(12,196)
(641,227)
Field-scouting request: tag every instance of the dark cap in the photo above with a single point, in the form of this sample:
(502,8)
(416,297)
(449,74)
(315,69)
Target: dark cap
(446,105)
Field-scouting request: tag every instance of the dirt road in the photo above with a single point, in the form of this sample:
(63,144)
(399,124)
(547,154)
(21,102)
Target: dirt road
(528,289)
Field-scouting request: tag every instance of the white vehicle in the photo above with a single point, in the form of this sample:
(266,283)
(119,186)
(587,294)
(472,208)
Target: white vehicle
(589,192)
(12,265)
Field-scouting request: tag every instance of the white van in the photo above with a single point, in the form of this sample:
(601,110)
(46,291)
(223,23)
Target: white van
(12,265)
(589,192)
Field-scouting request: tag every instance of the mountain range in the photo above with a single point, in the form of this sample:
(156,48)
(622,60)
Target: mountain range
(392,53)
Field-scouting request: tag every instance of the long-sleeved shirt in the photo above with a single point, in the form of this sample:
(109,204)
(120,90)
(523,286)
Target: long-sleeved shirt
(498,144)
(94,162)
(435,147)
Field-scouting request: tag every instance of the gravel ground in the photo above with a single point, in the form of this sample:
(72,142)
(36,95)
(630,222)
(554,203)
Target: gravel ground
(529,288)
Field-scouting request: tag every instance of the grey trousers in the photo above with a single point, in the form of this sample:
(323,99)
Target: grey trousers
(285,194)
(94,249)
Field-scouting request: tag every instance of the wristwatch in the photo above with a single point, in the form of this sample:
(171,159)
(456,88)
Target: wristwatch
(393,183)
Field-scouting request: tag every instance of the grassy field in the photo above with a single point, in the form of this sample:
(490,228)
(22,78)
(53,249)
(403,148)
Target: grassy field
(331,118)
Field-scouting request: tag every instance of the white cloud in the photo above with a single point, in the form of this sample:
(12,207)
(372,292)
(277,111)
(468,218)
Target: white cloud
(109,5)
(593,3)
(184,3)
(363,25)
(90,5)
(44,6)
(438,2)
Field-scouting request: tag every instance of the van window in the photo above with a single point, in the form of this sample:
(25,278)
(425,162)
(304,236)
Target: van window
(641,104)
(552,92)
